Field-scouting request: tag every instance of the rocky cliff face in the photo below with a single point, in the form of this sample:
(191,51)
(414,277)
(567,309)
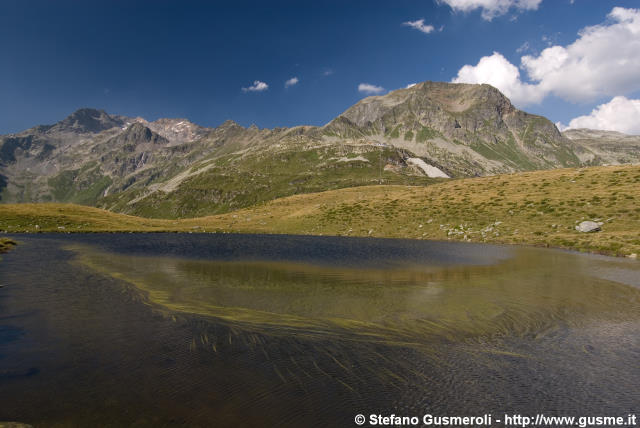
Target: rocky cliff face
(605,147)
(87,121)
(174,168)
(473,129)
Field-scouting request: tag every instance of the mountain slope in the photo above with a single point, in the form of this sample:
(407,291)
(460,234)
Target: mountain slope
(605,147)
(472,129)
(172,168)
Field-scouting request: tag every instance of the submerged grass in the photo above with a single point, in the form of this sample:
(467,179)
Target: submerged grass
(6,244)
(537,208)
(407,305)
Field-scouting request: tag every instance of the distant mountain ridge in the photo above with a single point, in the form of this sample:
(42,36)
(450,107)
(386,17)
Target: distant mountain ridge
(88,120)
(175,168)
(605,147)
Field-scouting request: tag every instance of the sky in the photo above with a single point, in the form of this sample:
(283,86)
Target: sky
(287,63)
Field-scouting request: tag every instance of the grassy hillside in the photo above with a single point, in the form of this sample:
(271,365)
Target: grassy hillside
(235,181)
(539,208)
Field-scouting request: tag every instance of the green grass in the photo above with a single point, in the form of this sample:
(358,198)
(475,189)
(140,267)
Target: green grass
(536,208)
(81,186)
(408,136)
(6,244)
(251,180)
(506,152)
(425,133)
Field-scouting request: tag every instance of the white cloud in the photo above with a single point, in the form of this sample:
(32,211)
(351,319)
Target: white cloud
(603,61)
(491,8)
(257,86)
(410,85)
(420,26)
(367,88)
(291,82)
(497,71)
(620,114)
(524,47)
(561,126)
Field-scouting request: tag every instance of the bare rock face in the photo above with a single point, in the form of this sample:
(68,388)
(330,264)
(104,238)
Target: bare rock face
(596,147)
(138,133)
(87,120)
(473,129)
(588,227)
(177,130)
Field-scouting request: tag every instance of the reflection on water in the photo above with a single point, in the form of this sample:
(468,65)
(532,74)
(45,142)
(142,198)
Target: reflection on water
(528,294)
(111,331)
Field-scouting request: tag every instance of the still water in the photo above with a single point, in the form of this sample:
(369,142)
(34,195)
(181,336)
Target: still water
(238,330)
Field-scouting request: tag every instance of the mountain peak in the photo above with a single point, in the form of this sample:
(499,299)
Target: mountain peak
(229,123)
(452,98)
(88,120)
(138,133)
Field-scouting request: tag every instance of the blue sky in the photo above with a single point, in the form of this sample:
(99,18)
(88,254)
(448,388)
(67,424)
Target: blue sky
(192,59)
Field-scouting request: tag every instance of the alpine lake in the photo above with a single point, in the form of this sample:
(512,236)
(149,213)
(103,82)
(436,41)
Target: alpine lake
(272,330)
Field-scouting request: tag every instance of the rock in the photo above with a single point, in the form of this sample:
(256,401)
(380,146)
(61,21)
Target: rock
(633,256)
(588,226)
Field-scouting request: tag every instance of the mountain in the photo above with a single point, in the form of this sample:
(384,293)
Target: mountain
(468,129)
(87,121)
(604,147)
(173,168)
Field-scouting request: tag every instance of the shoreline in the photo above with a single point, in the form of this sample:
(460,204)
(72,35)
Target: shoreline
(6,245)
(538,245)
(536,208)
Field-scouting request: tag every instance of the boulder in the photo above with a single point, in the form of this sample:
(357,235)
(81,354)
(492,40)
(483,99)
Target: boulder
(588,226)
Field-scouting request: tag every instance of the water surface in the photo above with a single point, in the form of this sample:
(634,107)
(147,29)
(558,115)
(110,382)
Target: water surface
(238,330)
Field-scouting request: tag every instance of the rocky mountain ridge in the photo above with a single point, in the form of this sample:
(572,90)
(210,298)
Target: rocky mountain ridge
(174,168)
(605,147)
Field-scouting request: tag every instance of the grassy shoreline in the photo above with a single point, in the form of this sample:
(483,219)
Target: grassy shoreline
(6,245)
(538,208)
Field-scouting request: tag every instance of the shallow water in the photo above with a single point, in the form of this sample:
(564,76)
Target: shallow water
(237,330)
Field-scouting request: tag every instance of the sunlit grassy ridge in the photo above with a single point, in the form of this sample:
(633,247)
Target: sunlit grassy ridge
(539,208)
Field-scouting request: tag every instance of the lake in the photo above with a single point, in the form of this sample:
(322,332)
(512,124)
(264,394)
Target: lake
(264,330)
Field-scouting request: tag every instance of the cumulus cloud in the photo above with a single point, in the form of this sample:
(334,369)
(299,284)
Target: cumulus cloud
(420,26)
(367,88)
(497,71)
(561,126)
(491,8)
(257,86)
(620,114)
(291,82)
(603,61)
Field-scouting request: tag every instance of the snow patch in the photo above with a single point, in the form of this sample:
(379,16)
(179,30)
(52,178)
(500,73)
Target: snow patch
(358,158)
(430,170)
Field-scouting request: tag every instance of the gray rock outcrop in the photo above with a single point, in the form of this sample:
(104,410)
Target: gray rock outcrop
(588,226)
